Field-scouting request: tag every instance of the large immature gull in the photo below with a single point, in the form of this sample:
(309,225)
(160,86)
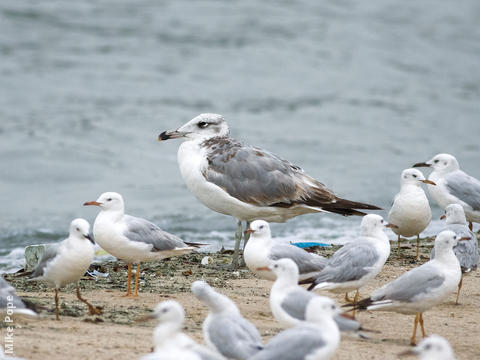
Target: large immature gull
(10,304)
(466,251)
(410,210)
(247,182)
(289,301)
(67,261)
(421,288)
(433,347)
(130,238)
(316,338)
(358,261)
(225,329)
(168,339)
(261,250)
(453,186)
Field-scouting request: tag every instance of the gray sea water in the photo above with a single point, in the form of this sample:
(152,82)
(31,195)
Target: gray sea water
(352,91)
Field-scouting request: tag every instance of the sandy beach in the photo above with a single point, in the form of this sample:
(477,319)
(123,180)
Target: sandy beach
(117,335)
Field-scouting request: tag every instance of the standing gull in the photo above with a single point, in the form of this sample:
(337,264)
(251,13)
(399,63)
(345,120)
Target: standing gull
(422,287)
(289,301)
(316,338)
(465,251)
(261,250)
(453,186)
(10,304)
(358,261)
(410,210)
(433,347)
(225,329)
(67,261)
(169,340)
(247,182)
(130,238)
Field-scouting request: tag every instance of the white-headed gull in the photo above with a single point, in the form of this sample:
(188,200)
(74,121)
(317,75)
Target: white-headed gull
(433,347)
(67,261)
(130,238)
(261,249)
(410,210)
(247,182)
(454,186)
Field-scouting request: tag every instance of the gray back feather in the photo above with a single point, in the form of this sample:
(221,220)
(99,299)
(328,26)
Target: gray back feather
(234,336)
(414,283)
(48,256)
(294,343)
(295,303)
(142,230)
(306,262)
(464,187)
(350,263)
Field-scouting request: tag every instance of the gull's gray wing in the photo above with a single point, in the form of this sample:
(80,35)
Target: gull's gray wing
(206,353)
(411,285)
(142,230)
(464,187)
(234,336)
(49,255)
(295,303)
(292,344)
(306,262)
(7,290)
(346,324)
(260,178)
(350,263)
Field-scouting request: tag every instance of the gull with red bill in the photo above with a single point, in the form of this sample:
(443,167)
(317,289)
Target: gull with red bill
(132,239)
(410,210)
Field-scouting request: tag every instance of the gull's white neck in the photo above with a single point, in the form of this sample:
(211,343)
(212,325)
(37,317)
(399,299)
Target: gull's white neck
(113,215)
(164,332)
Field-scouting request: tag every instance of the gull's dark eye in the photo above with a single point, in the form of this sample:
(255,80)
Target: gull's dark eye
(78,229)
(428,347)
(275,266)
(261,227)
(202,124)
(164,311)
(109,199)
(415,176)
(436,161)
(333,307)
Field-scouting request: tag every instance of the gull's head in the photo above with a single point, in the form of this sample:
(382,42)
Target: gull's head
(432,347)
(169,311)
(200,289)
(80,229)
(108,201)
(443,163)
(372,224)
(259,229)
(204,126)
(284,268)
(455,214)
(414,177)
(446,241)
(321,307)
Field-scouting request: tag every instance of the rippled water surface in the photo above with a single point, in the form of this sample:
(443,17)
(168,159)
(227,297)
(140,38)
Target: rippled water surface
(353,92)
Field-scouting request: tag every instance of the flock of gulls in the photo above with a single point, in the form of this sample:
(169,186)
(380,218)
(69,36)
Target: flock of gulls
(257,187)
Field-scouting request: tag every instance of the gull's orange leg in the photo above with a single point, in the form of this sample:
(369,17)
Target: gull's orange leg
(421,325)
(398,246)
(418,246)
(413,341)
(92,310)
(459,287)
(470,225)
(137,276)
(56,304)
(355,299)
(347,299)
(129,280)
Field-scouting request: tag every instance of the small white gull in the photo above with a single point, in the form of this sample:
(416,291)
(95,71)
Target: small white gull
(225,329)
(67,261)
(421,288)
(410,210)
(289,301)
(433,347)
(453,186)
(10,304)
(358,261)
(169,340)
(465,251)
(316,338)
(247,182)
(261,249)
(130,238)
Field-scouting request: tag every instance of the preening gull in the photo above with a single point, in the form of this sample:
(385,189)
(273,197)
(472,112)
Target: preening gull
(358,261)
(10,304)
(410,210)
(130,238)
(465,251)
(289,301)
(453,186)
(67,261)
(169,340)
(433,347)
(261,250)
(225,329)
(247,182)
(422,287)
(317,338)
